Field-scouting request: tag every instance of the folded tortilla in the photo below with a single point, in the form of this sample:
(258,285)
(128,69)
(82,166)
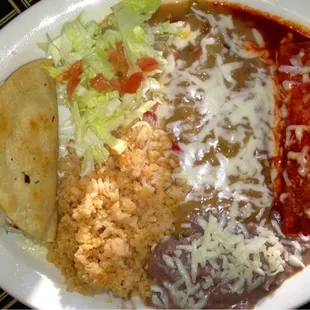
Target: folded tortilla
(29,150)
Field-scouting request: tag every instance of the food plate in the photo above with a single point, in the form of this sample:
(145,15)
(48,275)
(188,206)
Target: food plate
(25,272)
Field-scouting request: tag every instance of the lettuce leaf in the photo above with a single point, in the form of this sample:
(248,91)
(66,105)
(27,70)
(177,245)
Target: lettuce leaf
(130,15)
(80,36)
(97,62)
(107,40)
(88,98)
(97,116)
(140,44)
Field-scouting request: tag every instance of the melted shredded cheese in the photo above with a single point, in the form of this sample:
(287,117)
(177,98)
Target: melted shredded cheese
(258,38)
(236,260)
(294,134)
(298,130)
(297,68)
(242,117)
(302,160)
(223,24)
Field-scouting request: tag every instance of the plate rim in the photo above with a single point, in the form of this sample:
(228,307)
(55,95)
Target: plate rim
(17,22)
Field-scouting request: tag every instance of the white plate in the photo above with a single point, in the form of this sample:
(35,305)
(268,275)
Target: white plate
(27,275)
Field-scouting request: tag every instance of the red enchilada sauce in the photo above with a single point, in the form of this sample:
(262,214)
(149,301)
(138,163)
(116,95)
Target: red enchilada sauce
(293,184)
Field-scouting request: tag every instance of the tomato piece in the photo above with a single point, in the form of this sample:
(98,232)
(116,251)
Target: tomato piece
(119,84)
(76,69)
(100,83)
(175,146)
(72,85)
(116,57)
(122,84)
(72,75)
(293,178)
(65,76)
(148,64)
(133,83)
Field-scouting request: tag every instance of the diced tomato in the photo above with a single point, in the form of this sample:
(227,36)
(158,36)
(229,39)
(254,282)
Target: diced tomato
(72,76)
(122,85)
(76,68)
(133,83)
(117,58)
(150,117)
(148,64)
(72,85)
(294,207)
(100,83)
(65,76)
(119,84)
(175,146)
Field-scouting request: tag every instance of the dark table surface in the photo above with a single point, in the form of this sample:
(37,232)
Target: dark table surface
(10,9)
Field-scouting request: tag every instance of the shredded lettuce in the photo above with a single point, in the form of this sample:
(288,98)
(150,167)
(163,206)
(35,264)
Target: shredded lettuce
(53,72)
(90,98)
(96,116)
(78,40)
(166,28)
(130,16)
(132,13)
(96,63)
(140,44)
(78,37)
(108,40)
